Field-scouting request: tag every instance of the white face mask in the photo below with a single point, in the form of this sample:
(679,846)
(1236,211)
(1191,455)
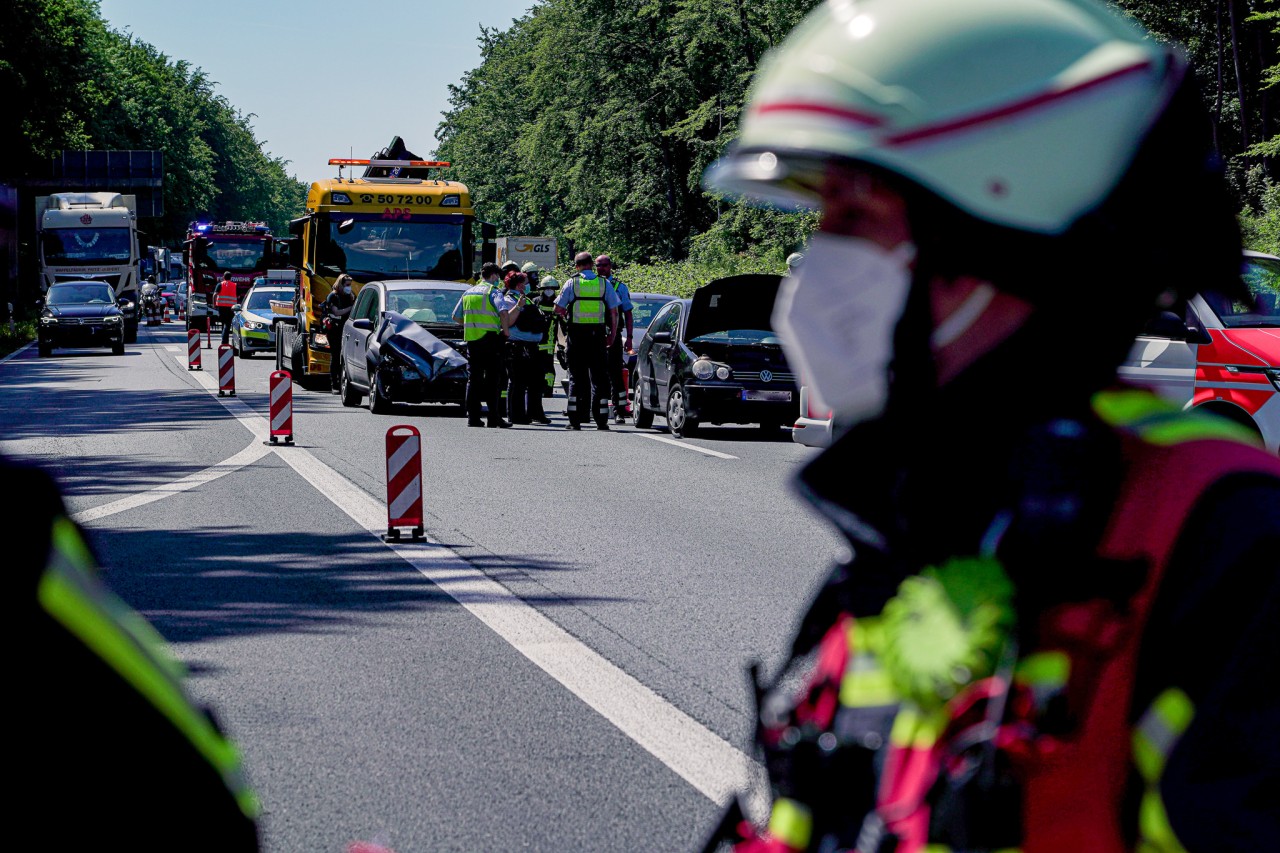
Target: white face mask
(836,315)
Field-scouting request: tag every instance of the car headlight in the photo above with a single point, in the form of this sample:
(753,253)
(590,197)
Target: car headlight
(114,318)
(723,372)
(48,321)
(255,326)
(703,369)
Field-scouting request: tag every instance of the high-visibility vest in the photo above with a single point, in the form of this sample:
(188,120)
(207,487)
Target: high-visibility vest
(71,594)
(588,301)
(479,316)
(226,294)
(1072,789)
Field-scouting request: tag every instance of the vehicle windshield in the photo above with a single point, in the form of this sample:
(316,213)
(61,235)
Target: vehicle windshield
(740,337)
(642,312)
(80,294)
(1262,276)
(260,300)
(86,246)
(236,254)
(429,305)
(368,247)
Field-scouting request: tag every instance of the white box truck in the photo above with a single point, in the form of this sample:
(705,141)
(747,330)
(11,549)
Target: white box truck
(92,236)
(540,250)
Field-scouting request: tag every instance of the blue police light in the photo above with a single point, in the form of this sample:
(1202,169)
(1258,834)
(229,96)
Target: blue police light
(451,201)
(340,198)
(202,226)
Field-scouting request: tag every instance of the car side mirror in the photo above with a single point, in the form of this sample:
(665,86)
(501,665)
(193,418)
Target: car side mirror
(236,308)
(39,301)
(662,337)
(363,324)
(1167,324)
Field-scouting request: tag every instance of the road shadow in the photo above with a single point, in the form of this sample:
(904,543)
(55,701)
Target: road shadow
(207,583)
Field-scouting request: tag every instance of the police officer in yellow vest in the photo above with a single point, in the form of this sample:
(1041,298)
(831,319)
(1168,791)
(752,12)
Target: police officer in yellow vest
(1055,633)
(478,313)
(111,752)
(589,308)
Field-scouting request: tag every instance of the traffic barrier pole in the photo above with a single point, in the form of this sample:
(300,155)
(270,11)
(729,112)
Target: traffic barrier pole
(404,483)
(193,349)
(208,334)
(226,371)
(281,406)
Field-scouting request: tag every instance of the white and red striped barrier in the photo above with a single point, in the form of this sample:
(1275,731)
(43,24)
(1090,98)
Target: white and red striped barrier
(404,483)
(226,371)
(282,406)
(193,349)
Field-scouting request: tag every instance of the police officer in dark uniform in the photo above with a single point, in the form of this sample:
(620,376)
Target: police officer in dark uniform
(478,313)
(589,308)
(543,289)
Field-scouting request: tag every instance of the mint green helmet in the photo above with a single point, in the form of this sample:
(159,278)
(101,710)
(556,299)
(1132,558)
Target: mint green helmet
(1023,113)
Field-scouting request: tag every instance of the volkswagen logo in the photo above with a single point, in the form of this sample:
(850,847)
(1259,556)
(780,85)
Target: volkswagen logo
(766,376)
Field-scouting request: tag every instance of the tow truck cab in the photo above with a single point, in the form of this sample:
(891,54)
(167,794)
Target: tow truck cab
(396,221)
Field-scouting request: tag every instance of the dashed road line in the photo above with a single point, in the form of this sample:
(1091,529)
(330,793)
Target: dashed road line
(676,443)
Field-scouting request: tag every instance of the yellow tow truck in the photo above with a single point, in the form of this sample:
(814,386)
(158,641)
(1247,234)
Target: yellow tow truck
(394,222)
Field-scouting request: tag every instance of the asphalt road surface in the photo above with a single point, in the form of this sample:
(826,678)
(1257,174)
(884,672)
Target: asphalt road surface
(562,667)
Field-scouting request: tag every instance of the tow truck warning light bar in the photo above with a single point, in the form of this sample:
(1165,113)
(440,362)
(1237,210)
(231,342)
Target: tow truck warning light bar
(342,161)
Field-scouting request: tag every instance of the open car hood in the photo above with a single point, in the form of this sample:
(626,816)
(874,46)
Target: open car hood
(431,356)
(736,302)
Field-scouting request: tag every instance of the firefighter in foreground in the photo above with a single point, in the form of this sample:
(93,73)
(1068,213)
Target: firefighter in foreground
(1057,631)
(116,753)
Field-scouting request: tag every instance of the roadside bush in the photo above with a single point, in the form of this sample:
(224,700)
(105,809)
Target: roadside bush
(22,333)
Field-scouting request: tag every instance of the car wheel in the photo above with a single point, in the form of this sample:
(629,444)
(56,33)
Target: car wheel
(378,404)
(643,416)
(350,396)
(45,350)
(117,349)
(678,420)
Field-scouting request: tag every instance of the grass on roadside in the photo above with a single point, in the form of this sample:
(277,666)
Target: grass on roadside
(22,333)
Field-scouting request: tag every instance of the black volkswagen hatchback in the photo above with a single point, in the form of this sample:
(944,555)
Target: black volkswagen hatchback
(715,359)
(80,314)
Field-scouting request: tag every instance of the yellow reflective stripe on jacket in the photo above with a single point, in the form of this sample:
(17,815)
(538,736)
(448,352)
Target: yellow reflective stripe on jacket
(866,685)
(1154,739)
(1162,423)
(479,317)
(1045,674)
(588,300)
(127,643)
(913,728)
(791,823)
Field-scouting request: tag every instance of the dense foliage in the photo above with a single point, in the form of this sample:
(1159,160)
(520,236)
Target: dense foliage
(70,82)
(593,120)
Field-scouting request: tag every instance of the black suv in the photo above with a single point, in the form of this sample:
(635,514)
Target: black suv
(80,314)
(715,359)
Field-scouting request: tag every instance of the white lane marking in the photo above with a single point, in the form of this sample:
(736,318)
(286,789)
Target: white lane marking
(19,351)
(677,443)
(248,456)
(172,348)
(699,756)
(712,765)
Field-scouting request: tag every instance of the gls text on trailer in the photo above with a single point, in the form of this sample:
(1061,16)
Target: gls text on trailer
(393,222)
(92,237)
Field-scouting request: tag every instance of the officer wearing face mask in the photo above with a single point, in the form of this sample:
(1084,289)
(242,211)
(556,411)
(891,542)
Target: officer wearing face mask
(1053,630)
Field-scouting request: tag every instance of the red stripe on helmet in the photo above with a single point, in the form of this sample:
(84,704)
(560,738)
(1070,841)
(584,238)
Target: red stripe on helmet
(1025,105)
(821,109)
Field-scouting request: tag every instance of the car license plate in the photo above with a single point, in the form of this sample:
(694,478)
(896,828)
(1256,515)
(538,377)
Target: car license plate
(768,396)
